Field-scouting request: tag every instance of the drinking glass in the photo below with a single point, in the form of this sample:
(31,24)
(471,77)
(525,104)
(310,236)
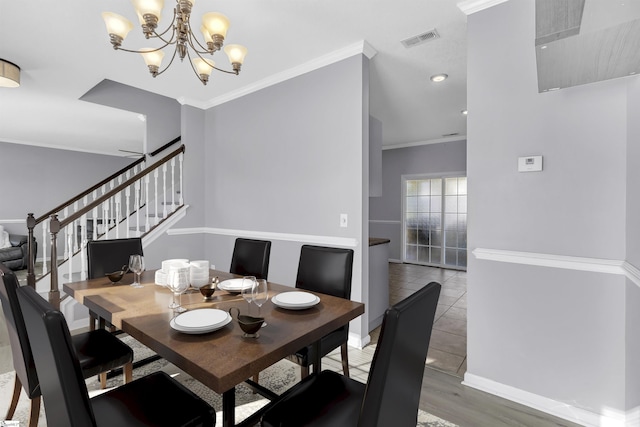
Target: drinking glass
(261,295)
(248,282)
(136,264)
(178,282)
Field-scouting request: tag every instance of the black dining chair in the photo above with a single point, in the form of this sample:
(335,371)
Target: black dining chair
(107,256)
(251,258)
(153,400)
(391,395)
(328,271)
(97,351)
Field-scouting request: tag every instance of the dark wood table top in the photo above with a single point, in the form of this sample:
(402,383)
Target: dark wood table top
(223,358)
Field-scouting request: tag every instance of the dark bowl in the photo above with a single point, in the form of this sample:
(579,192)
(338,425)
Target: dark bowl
(116,276)
(207,291)
(250,324)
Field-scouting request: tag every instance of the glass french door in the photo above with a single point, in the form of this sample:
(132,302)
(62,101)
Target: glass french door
(435,221)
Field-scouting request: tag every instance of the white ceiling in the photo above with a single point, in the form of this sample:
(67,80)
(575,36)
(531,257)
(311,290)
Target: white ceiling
(63,51)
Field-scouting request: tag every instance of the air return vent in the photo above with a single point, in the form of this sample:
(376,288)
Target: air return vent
(420,38)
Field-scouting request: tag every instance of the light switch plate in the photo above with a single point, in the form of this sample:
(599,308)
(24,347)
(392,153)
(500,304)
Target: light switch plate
(343,220)
(530,164)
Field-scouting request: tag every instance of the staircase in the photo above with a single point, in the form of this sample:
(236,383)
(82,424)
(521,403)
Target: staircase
(140,200)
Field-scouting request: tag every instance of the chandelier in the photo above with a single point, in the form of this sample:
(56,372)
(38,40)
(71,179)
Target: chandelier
(178,34)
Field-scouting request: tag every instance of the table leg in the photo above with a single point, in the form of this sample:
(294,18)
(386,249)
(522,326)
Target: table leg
(229,408)
(317,361)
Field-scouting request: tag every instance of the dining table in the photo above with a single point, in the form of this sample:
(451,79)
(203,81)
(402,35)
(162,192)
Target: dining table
(221,359)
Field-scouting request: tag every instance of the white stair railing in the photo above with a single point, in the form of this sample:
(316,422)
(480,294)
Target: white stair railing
(103,209)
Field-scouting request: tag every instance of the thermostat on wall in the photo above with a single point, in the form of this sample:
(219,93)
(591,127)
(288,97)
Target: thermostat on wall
(530,164)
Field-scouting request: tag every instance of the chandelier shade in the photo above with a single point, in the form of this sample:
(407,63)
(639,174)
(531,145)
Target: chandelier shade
(179,36)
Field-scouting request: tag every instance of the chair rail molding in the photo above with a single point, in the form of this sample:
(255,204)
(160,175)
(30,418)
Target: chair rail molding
(267,235)
(596,265)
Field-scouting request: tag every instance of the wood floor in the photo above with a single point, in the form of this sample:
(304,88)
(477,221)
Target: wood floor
(443,394)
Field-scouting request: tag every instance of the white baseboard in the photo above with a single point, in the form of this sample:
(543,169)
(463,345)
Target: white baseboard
(607,418)
(357,342)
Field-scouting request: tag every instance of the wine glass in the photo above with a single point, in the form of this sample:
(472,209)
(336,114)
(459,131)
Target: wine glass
(136,264)
(261,295)
(178,282)
(248,282)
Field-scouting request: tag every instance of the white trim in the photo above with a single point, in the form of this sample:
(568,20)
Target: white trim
(385,221)
(159,230)
(62,147)
(13,221)
(361,47)
(469,7)
(395,261)
(549,260)
(596,265)
(267,235)
(608,417)
(354,340)
(426,142)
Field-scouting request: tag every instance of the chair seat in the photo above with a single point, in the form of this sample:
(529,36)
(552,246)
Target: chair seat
(324,400)
(99,351)
(305,356)
(154,400)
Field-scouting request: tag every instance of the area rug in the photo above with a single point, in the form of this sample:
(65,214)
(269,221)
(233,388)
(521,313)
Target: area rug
(278,378)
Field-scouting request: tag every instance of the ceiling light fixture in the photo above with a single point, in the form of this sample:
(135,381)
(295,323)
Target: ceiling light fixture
(464,112)
(437,78)
(9,74)
(179,34)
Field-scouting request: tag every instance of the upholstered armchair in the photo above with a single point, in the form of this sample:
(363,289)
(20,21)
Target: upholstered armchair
(16,256)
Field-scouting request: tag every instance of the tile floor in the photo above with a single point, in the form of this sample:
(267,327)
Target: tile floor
(448,346)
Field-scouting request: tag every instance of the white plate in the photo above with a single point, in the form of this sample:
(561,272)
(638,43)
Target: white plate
(200,331)
(295,302)
(231,285)
(201,318)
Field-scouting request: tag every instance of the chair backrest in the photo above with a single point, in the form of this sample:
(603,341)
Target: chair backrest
(107,256)
(251,258)
(65,393)
(20,348)
(325,270)
(393,388)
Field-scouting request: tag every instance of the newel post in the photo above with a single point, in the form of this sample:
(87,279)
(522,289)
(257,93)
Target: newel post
(54,292)
(31,277)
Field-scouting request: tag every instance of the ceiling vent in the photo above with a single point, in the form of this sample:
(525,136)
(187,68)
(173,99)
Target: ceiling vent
(420,38)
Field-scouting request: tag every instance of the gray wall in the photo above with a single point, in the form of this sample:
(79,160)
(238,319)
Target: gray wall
(633,240)
(163,113)
(288,159)
(557,332)
(36,179)
(385,212)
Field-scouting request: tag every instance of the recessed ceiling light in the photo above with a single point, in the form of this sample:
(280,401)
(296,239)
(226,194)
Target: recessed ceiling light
(437,78)
(464,111)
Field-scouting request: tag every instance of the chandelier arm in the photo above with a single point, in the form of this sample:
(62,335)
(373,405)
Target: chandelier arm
(142,51)
(215,68)
(194,68)
(225,71)
(170,62)
(193,37)
(172,40)
(170,27)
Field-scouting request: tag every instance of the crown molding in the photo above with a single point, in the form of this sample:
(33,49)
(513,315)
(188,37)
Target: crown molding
(426,142)
(469,7)
(359,48)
